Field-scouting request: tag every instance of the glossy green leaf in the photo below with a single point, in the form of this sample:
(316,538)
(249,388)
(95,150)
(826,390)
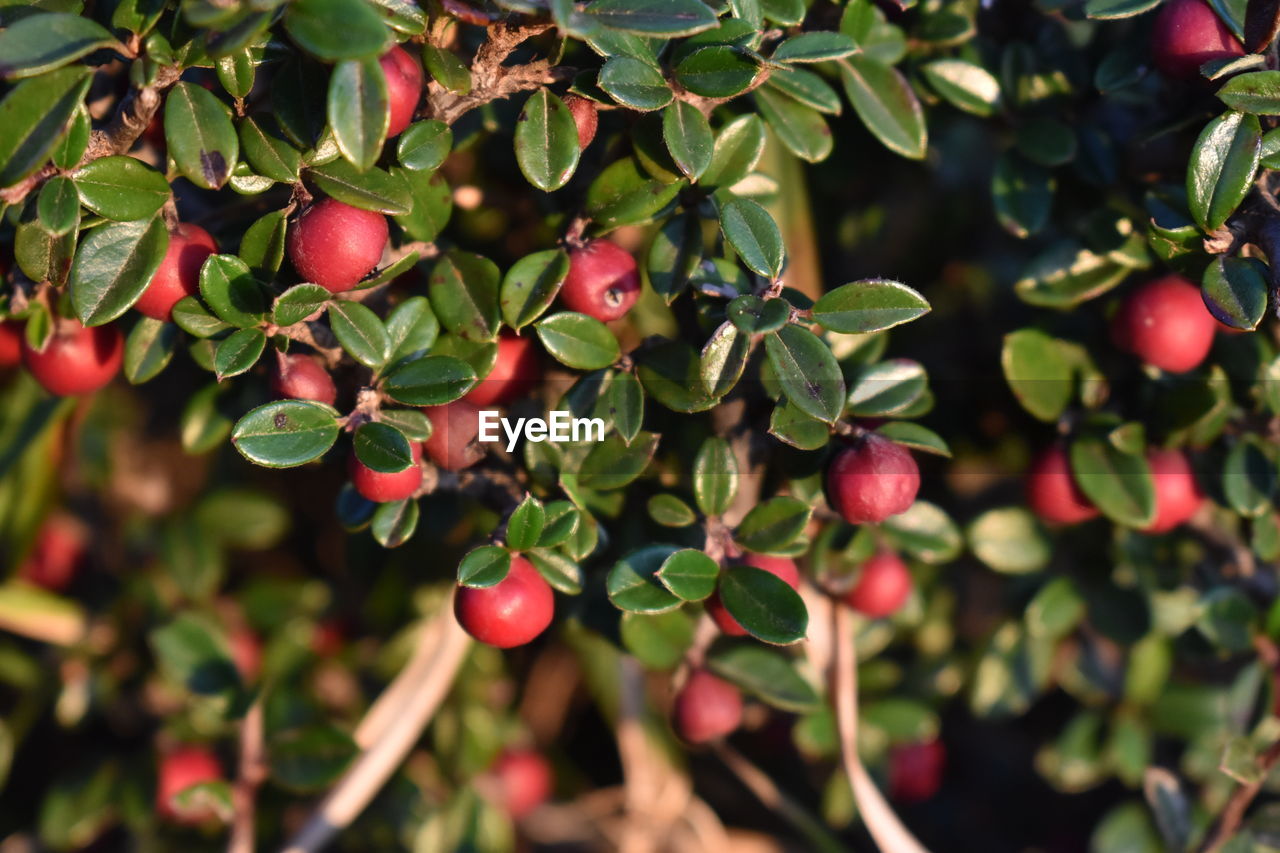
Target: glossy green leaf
(372,189)
(871,305)
(148,349)
(113,266)
(1257,92)
(652,17)
(424,145)
(658,640)
(1120,484)
(1249,478)
(753,315)
(395,522)
(670,511)
(634,84)
(464,290)
(690,574)
(484,566)
(764,604)
(1009,540)
(764,672)
(333,30)
(800,128)
(966,86)
(230,290)
(121,188)
(715,476)
(546,141)
(33,115)
(737,150)
(633,583)
(688,136)
(723,359)
(298,303)
(815,47)
(267,150)
(773,525)
(524,527)
(42,42)
(447,69)
(199,135)
(886,104)
(578,341)
(58,206)
(1235,291)
(717,71)
(360,332)
(1222,166)
(754,235)
(238,352)
(531,284)
(926,532)
(612,463)
(285,434)
(807,371)
(624,195)
(358,110)
(381,447)
(1039,372)
(430,381)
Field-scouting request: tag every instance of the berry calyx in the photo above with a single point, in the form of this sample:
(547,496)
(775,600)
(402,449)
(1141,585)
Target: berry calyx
(515,373)
(511,612)
(10,344)
(782,567)
(179,272)
(585,117)
(179,770)
(524,781)
(706,708)
(1178,495)
(76,359)
(404,88)
(382,487)
(915,770)
(1165,323)
(603,281)
(301,377)
(454,427)
(335,245)
(871,480)
(884,584)
(1052,491)
(59,551)
(1186,35)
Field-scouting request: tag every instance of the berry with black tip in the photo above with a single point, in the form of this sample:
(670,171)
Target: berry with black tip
(603,281)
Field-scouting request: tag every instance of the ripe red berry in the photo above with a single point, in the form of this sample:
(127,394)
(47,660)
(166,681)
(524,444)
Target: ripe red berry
(883,586)
(382,487)
(783,567)
(1178,495)
(511,612)
(335,245)
(454,427)
(585,117)
(179,272)
(59,552)
(1187,34)
(515,373)
(524,781)
(1052,491)
(76,360)
(10,344)
(179,770)
(706,708)
(915,770)
(301,377)
(871,480)
(603,281)
(404,87)
(246,652)
(1164,322)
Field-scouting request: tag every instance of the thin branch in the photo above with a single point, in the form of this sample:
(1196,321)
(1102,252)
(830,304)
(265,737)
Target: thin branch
(1233,814)
(251,774)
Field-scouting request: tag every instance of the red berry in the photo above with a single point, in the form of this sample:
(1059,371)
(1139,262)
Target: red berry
(302,377)
(511,612)
(883,586)
(1164,322)
(584,116)
(706,708)
(524,780)
(1052,491)
(179,770)
(915,770)
(1186,35)
(246,653)
(179,272)
(1178,495)
(76,360)
(515,373)
(335,245)
(783,567)
(404,87)
(382,487)
(58,554)
(871,480)
(454,427)
(11,333)
(603,281)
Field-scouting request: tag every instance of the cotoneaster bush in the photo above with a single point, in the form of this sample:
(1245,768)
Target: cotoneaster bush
(930,349)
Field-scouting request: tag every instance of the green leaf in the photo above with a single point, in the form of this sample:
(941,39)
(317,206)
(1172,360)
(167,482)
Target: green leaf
(1118,483)
(670,511)
(332,30)
(1056,609)
(807,88)
(58,206)
(432,202)
(1257,92)
(626,397)
(667,18)
(634,84)
(800,128)
(42,42)
(773,525)
(71,145)
(1023,193)
(121,188)
(33,116)
(1039,372)
(358,110)
(524,528)
(447,69)
(192,651)
(612,464)
(148,349)
(546,141)
(372,189)
(633,583)
(199,135)
(464,294)
(310,759)
(236,71)
(412,422)
(412,327)
(193,318)
(738,149)
(753,315)
(394,523)
(915,437)
(424,145)
(807,371)
(789,424)
(381,447)
(966,86)
(890,387)
(360,332)
(764,604)
(688,136)
(870,305)
(231,291)
(403,16)
(717,71)
(1235,291)
(723,359)
(715,476)
(622,194)
(766,673)
(886,104)
(530,285)
(557,569)
(690,574)
(262,246)
(1222,166)
(754,236)
(1009,540)
(578,341)
(298,303)
(562,521)
(267,151)
(484,567)
(286,434)
(925,532)
(113,266)
(1249,478)
(430,381)
(658,640)
(238,352)
(815,47)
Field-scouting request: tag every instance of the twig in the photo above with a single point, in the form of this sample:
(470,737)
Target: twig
(881,821)
(252,772)
(1229,823)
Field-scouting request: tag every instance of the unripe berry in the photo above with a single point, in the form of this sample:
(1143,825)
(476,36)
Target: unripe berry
(782,567)
(76,360)
(511,612)
(706,708)
(58,553)
(10,344)
(1187,34)
(871,480)
(404,87)
(1052,491)
(335,245)
(1164,323)
(603,281)
(454,427)
(883,586)
(382,487)
(515,373)
(179,770)
(301,377)
(179,272)
(915,770)
(1178,495)
(585,117)
(524,781)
